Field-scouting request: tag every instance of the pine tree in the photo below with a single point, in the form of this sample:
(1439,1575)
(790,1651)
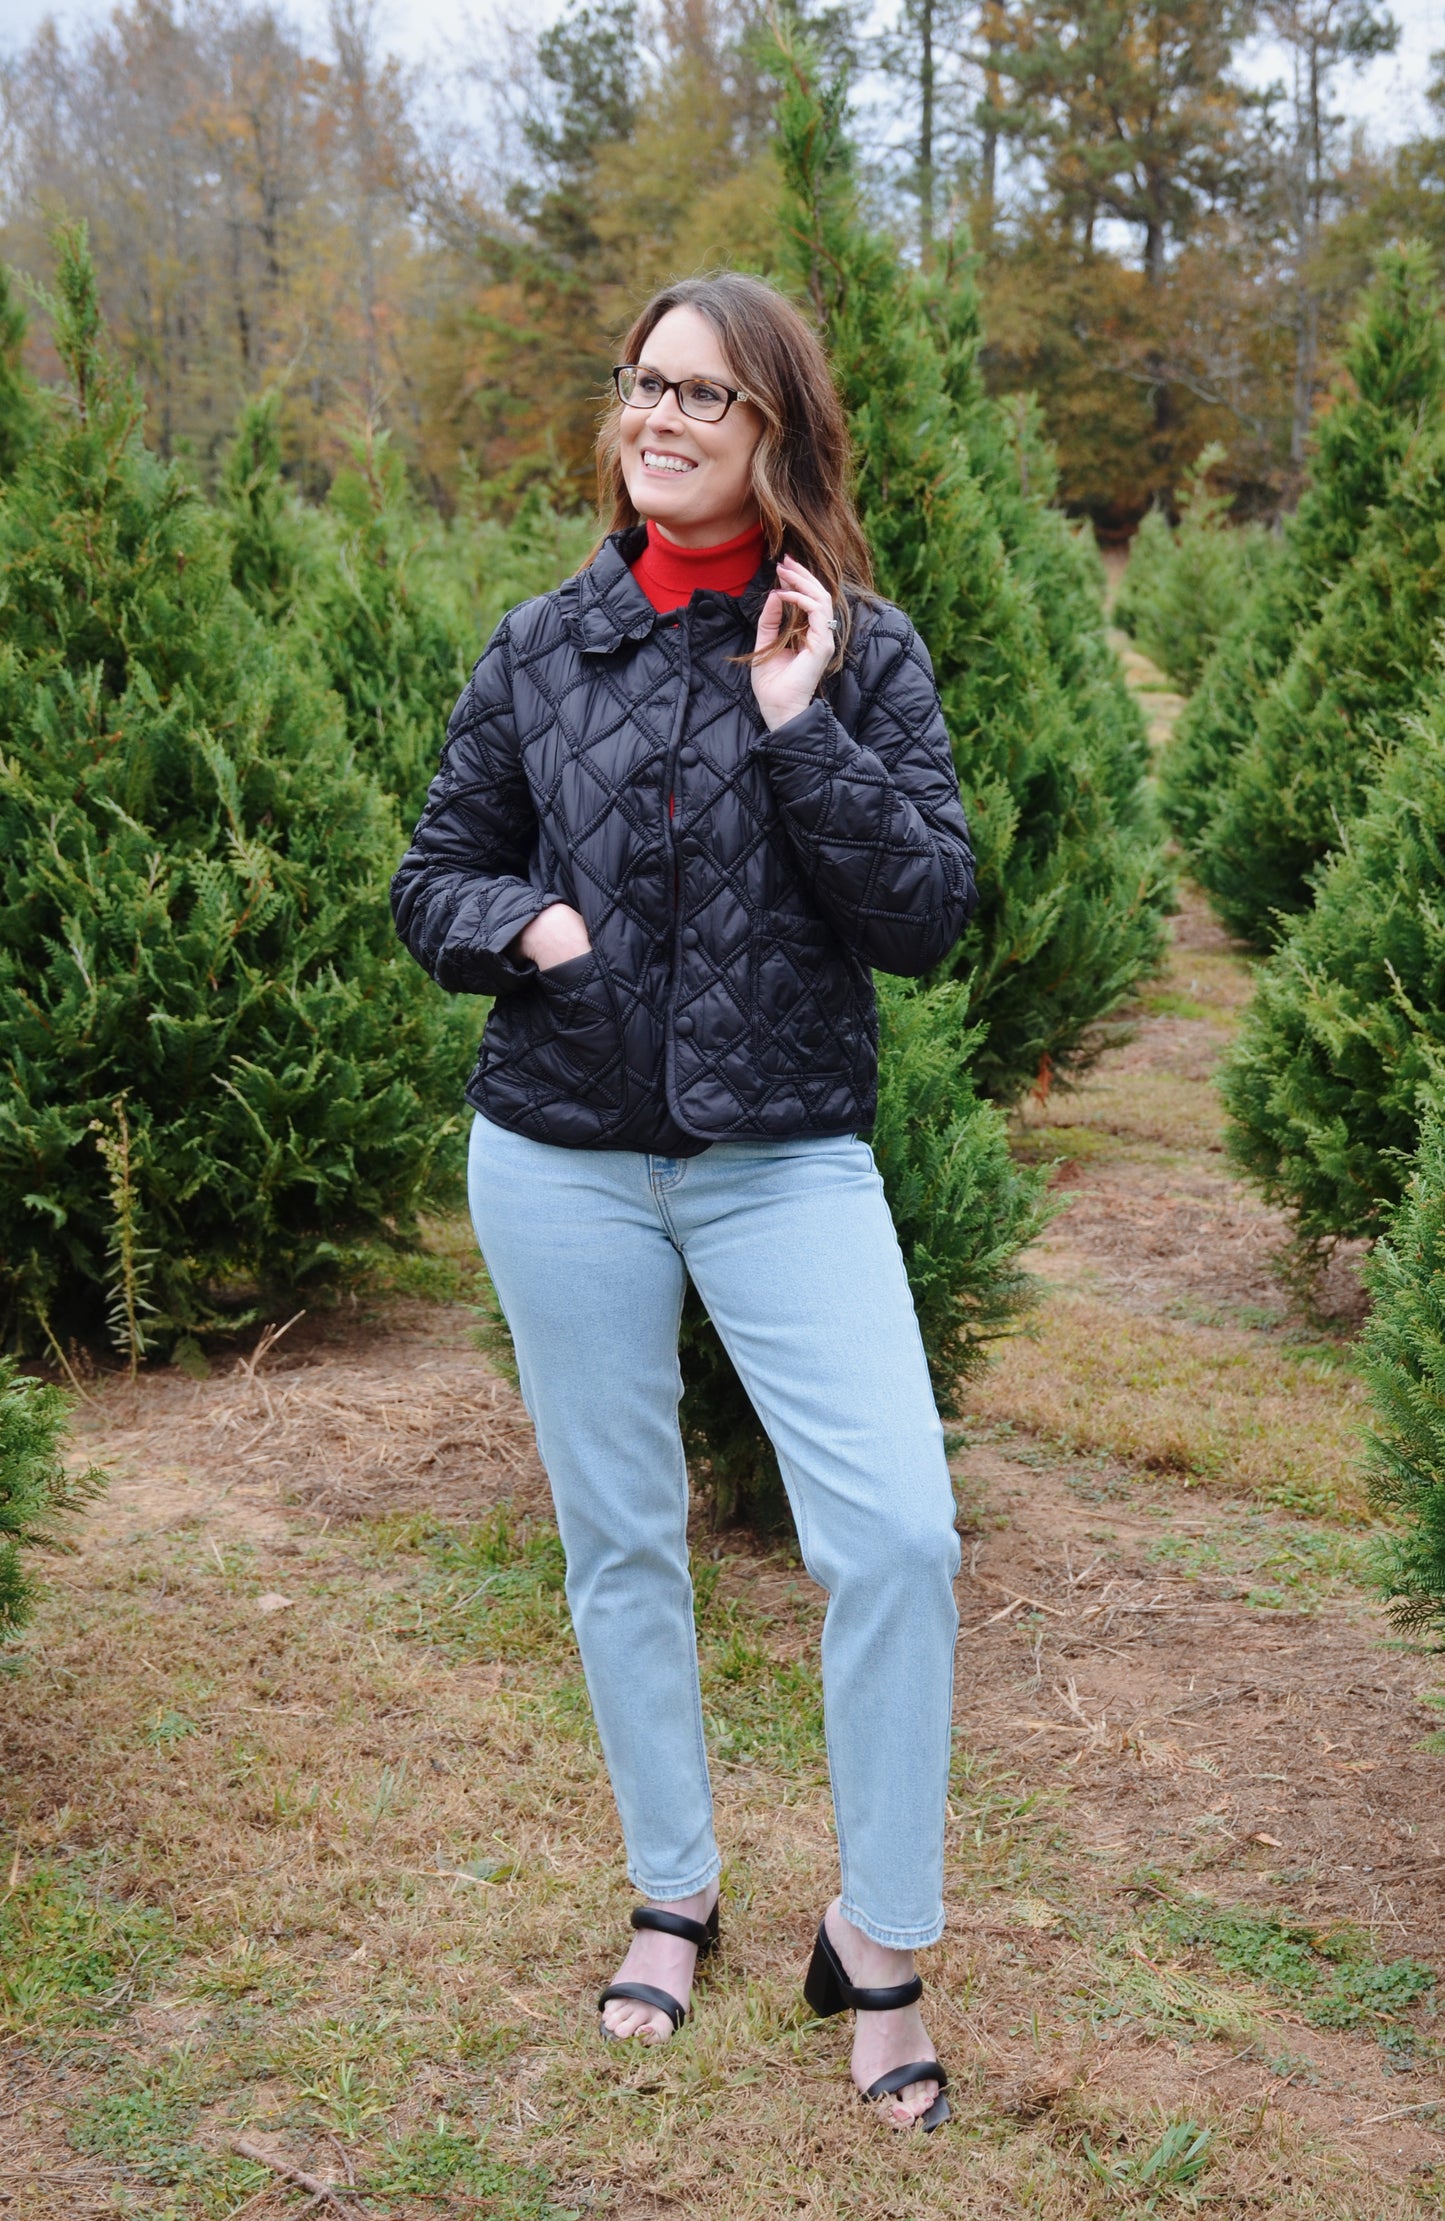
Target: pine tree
(220,1074)
(1344,1042)
(1187,584)
(1394,377)
(394,645)
(38,1493)
(1337,710)
(276,545)
(1402,1357)
(1072,885)
(1056,562)
(19,415)
(963,1210)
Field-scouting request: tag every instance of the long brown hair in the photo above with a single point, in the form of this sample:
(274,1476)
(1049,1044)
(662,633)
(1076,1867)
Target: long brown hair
(802,465)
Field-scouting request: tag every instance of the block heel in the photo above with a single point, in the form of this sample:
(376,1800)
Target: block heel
(827,1989)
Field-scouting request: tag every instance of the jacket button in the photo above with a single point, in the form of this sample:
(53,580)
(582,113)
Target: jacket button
(687,757)
(690,936)
(684,1025)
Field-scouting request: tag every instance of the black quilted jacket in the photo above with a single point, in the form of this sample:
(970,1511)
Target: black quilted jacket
(737,884)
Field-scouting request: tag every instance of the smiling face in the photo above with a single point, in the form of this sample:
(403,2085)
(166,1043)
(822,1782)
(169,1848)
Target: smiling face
(693,479)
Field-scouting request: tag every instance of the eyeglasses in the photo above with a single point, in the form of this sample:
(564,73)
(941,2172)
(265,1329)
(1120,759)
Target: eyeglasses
(703,398)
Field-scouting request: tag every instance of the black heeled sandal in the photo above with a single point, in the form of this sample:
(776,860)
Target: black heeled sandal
(828,1990)
(703,1933)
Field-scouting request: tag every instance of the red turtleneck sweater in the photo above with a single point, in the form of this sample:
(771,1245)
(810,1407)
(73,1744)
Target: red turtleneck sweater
(669,574)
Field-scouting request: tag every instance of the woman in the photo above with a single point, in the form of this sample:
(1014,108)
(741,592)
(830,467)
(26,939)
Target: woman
(686,802)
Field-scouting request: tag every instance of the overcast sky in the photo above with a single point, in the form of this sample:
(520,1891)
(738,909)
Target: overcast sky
(1388,96)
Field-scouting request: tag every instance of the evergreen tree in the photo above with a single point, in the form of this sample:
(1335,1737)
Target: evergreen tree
(383,602)
(37,1493)
(275,543)
(394,645)
(219,1071)
(1072,885)
(18,410)
(1394,376)
(1344,1042)
(963,1210)
(1187,584)
(1055,561)
(1402,1357)
(1337,709)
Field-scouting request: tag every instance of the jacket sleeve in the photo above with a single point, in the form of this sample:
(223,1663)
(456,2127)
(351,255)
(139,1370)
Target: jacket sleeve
(463,890)
(874,815)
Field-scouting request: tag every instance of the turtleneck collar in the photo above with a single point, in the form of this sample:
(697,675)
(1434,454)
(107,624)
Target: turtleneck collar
(669,575)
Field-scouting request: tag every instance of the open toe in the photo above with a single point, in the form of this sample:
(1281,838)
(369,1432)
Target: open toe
(702,1934)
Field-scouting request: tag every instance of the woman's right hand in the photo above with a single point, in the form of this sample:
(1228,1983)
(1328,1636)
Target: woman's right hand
(553,936)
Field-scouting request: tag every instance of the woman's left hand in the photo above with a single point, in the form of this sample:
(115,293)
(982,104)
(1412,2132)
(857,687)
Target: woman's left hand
(786,679)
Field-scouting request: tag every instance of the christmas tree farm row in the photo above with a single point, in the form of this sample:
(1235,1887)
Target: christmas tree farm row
(223,1083)
(1306,783)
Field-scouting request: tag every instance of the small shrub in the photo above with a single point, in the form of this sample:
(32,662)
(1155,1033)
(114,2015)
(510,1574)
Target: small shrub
(1187,584)
(37,1494)
(1403,1361)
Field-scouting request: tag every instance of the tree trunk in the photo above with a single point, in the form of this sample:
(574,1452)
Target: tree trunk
(925,131)
(1306,355)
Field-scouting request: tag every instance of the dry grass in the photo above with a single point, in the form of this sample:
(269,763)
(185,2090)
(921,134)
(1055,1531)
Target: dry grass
(308,1842)
(1175,1397)
(312,1845)
(1169,1340)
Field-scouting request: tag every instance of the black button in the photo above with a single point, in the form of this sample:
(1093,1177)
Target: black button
(687,757)
(690,936)
(684,1025)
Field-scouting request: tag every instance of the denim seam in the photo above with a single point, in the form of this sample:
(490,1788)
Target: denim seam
(698,1727)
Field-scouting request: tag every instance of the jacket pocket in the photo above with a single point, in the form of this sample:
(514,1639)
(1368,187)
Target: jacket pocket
(804,999)
(558,1036)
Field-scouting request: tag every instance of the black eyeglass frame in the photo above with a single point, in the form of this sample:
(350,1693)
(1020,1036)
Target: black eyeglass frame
(675,385)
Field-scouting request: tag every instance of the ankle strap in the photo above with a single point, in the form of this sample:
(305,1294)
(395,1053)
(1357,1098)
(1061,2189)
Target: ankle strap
(674,1924)
(883,2000)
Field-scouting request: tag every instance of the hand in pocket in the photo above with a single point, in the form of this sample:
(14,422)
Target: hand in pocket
(554,936)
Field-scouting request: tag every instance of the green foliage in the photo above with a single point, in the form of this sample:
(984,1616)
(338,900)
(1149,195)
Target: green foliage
(1186,585)
(274,541)
(1330,1975)
(1394,375)
(37,1493)
(394,648)
(19,412)
(963,1211)
(1344,1042)
(442,2163)
(220,1075)
(70,1951)
(1054,561)
(382,602)
(1172,2165)
(1403,1360)
(1072,885)
(1337,710)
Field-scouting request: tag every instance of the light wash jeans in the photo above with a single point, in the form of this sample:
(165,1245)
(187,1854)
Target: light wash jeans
(792,1250)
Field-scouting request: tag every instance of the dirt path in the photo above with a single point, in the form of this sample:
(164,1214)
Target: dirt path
(308,1842)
